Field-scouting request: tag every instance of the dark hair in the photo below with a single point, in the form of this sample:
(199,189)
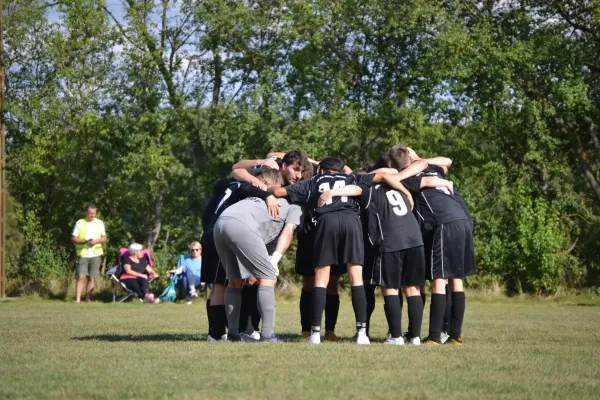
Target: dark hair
(368,168)
(399,156)
(383,161)
(308,169)
(91,206)
(292,157)
(271,174)
(360,171)
(329,164)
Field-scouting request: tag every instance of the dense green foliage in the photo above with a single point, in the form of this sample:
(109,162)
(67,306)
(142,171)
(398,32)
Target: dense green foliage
(139,107)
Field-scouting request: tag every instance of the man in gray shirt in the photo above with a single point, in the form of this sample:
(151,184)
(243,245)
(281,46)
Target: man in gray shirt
(241,234)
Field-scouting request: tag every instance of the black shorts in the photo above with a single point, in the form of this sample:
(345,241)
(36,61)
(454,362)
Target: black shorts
(338,239)
(304,257)
(212,271)
(449,251)
(399,268)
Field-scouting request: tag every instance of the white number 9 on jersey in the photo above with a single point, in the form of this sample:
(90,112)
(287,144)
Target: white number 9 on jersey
(325,187)
(397,201)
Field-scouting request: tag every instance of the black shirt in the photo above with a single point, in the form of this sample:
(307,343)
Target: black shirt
(435,206)
(308,191)
(230,192)
(388,221)
(140,267)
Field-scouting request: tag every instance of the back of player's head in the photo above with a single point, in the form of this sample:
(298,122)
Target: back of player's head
(383,161)
(360,171)
(331,164)
(367,168)
(307,169)
(292,157)
(399,156)
(271,175)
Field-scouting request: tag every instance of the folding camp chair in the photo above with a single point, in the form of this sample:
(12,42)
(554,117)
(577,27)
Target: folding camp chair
(115,272)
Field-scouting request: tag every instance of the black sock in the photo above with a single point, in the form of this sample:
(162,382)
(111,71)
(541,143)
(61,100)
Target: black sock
(436,315)
(219,321)
(415,316)
(458,314)
(359,304)
(393,314)
(448,313)
(249,307)
(319,297)
(332,309)
(424,299)
(208,316)
(370,294)
(305,310)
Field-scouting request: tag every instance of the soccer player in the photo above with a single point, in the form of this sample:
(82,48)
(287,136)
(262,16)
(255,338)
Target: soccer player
(226,193)
(292,166)
(241,234)
(448,236)
(338,239)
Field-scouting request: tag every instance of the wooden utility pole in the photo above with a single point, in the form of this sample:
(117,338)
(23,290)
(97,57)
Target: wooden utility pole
(2,165)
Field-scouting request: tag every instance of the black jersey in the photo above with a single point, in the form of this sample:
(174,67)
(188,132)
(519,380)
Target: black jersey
(435,206)
(230,192)
(387,219)
(308,191)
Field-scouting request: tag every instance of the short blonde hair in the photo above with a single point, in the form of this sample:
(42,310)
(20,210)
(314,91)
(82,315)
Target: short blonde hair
(195,243)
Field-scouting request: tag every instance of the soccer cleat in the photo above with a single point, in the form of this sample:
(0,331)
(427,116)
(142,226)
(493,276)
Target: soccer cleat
(255,335)
(273,339)
(444,337)
(397,341)
(305,334)
(240,337)
(455,342)
(427,340)
(362,338)
(314,338)
(330,336)
(416,341)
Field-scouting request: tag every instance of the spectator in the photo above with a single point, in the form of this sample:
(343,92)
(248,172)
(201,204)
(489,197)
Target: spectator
(88,236)
(137,272)
(190,268)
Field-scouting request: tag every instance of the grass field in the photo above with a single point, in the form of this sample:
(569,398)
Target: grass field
(513,349)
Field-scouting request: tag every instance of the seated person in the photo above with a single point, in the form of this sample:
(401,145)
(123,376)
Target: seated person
(136,272)
(190,268)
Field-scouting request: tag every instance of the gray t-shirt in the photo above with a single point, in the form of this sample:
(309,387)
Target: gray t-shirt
(253,212)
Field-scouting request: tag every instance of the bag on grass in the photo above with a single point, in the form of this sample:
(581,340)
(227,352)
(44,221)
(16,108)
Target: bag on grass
(170,294)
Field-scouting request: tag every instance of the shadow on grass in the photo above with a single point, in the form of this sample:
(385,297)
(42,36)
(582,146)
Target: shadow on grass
(144,338)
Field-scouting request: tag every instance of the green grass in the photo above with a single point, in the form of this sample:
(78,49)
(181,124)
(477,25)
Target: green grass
(513,349)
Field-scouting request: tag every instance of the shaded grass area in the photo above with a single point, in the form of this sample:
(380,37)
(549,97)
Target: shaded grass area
(514,349)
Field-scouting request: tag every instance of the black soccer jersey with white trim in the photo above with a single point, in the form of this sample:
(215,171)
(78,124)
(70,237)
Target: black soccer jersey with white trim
(308,191)
(388,221)
(435,206)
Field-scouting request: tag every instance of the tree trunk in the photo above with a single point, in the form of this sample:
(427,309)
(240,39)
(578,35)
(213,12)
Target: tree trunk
(155,232)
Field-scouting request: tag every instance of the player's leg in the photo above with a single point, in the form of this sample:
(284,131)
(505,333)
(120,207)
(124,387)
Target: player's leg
(371,269)
(393,314)
(359,302)
(318,300)
(233,302)
(253,261)
(332,307)
(370,296)
(447,315)
(458,311)
(437,309)
(413,278)
(308,283)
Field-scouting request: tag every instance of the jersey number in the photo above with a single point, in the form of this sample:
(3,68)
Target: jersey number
(325,187)
(227,195)
(397,201)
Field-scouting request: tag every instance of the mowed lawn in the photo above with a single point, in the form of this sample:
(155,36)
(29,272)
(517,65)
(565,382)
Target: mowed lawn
(513,349)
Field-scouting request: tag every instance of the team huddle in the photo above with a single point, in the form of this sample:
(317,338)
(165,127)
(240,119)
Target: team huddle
(392,224)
